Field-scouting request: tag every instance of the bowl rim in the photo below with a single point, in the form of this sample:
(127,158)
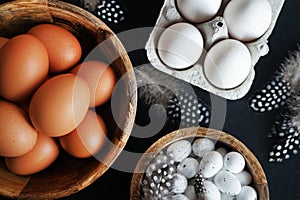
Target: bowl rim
(70,9)
(255,168)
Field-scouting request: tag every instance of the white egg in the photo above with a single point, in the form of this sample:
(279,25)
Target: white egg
(179,183)
(188,167)
(198,11)
(227,183)
(247,193)
(227,64)
(245,177)
(211,164)
(234,162)
(212,192)
(180,45)
(202,146)
(247,19)
(179,150)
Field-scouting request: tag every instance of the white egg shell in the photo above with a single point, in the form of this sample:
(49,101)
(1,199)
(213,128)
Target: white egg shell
(190,192)
(247,20)
(227,64)
(212,192)
(222,151)
(178,197)
(180,45)
(227,183)
(234,162)
(179,150)
(179,183)
(198,10)
(211,164)
(188,167)
(202,146)
(245,177)
(247,193)
(227,196)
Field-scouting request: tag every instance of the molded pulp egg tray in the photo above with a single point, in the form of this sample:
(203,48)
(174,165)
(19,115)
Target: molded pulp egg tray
(212,31)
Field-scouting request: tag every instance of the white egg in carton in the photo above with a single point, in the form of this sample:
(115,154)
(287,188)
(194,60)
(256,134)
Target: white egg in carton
(213,31)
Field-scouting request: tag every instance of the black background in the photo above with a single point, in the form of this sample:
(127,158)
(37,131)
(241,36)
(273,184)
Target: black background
(250,127)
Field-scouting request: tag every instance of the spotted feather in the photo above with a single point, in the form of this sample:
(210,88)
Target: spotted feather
(188,110)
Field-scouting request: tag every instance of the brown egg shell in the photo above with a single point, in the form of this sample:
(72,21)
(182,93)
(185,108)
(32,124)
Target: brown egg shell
(59,105)
(24,66)
(17,136)
(63,47)
(88,138)
(43,154)
(101,79)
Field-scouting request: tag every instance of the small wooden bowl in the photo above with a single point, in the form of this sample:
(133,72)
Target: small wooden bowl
(223,139)
(68,175)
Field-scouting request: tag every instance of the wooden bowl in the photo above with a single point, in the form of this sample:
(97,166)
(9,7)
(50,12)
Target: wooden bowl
(221,138)
(68,175)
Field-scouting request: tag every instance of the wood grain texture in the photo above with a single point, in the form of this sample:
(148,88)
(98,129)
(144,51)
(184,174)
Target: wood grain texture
(68,175)
(221,138)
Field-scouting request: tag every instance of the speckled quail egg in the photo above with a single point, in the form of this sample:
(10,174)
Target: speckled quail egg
(247,193)
(211,164)
(234,162)
(188,167)
(179,150)
(202,146)
(227,183)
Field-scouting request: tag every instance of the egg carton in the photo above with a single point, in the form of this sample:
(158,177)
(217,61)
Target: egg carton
(212,31)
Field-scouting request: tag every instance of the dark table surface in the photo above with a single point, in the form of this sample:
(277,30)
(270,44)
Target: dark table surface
(250,127)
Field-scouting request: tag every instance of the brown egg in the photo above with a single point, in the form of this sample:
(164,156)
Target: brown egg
(63,48)
(59,105)
(101,79)
(17,136)
(3,40)
(24,66)
(43,154)
(87,139)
